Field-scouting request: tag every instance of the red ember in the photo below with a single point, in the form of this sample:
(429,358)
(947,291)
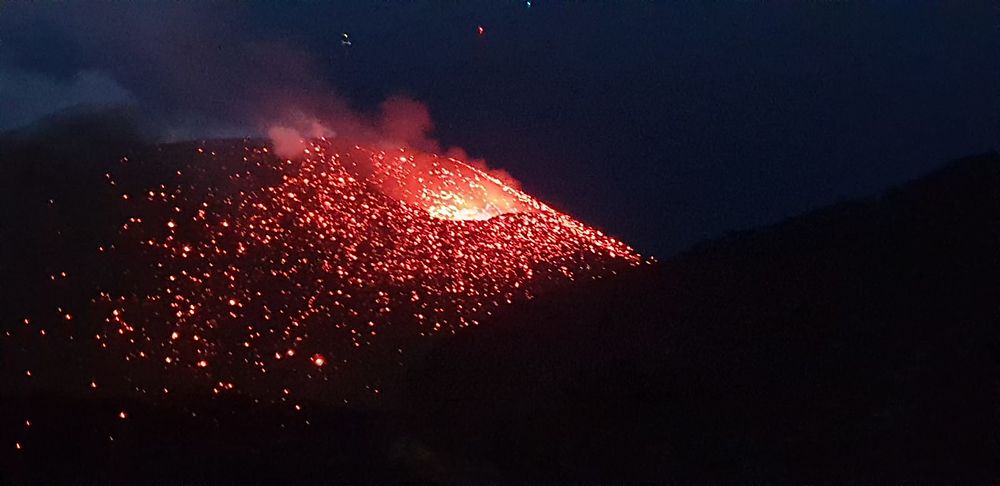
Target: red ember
(335,251)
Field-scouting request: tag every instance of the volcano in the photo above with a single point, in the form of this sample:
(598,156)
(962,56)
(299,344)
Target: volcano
(255,271)
(853,341)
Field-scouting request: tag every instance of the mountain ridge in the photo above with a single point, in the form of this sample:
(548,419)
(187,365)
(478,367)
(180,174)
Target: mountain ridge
(756,354)
(857,341)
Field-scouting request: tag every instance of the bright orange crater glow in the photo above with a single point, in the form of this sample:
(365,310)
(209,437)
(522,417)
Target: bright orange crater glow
(253,264)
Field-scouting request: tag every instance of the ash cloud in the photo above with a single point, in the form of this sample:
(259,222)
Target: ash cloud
(190,72)
(27,96)
(400,122)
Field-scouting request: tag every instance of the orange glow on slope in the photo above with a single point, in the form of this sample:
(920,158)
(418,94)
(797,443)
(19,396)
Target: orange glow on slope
(271,263)
(445,187)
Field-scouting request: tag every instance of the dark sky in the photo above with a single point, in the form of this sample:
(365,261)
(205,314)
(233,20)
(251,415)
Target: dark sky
(663,123)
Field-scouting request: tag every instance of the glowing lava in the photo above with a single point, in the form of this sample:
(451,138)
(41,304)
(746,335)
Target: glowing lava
(281,266)
(446,188)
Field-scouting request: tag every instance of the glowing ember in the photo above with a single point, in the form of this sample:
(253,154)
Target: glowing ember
(329,255)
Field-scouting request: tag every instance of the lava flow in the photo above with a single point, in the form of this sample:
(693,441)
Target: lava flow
(299,268)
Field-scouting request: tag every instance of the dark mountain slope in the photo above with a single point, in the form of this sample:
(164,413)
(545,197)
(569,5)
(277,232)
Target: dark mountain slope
(859,341)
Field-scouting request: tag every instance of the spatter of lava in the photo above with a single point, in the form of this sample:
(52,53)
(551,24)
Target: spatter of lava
(297,268)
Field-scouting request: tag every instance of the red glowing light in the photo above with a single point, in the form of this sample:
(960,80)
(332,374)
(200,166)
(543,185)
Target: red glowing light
(335,250)
(481,30)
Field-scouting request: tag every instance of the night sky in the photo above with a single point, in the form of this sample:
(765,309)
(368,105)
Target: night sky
(661,123)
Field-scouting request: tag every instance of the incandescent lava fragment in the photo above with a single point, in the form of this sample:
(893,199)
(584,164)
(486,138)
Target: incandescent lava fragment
(256,257)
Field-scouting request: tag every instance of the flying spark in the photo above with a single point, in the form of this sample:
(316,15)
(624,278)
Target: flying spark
(282,262)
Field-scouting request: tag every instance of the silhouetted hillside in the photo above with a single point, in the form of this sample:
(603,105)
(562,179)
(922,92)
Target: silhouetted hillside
(854,342)
(858,341)
(56,200)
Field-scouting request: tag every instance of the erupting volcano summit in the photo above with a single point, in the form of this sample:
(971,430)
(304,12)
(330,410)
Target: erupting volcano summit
(251,262)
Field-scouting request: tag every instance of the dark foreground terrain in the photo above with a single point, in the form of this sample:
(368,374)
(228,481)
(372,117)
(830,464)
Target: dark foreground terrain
(859,341)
